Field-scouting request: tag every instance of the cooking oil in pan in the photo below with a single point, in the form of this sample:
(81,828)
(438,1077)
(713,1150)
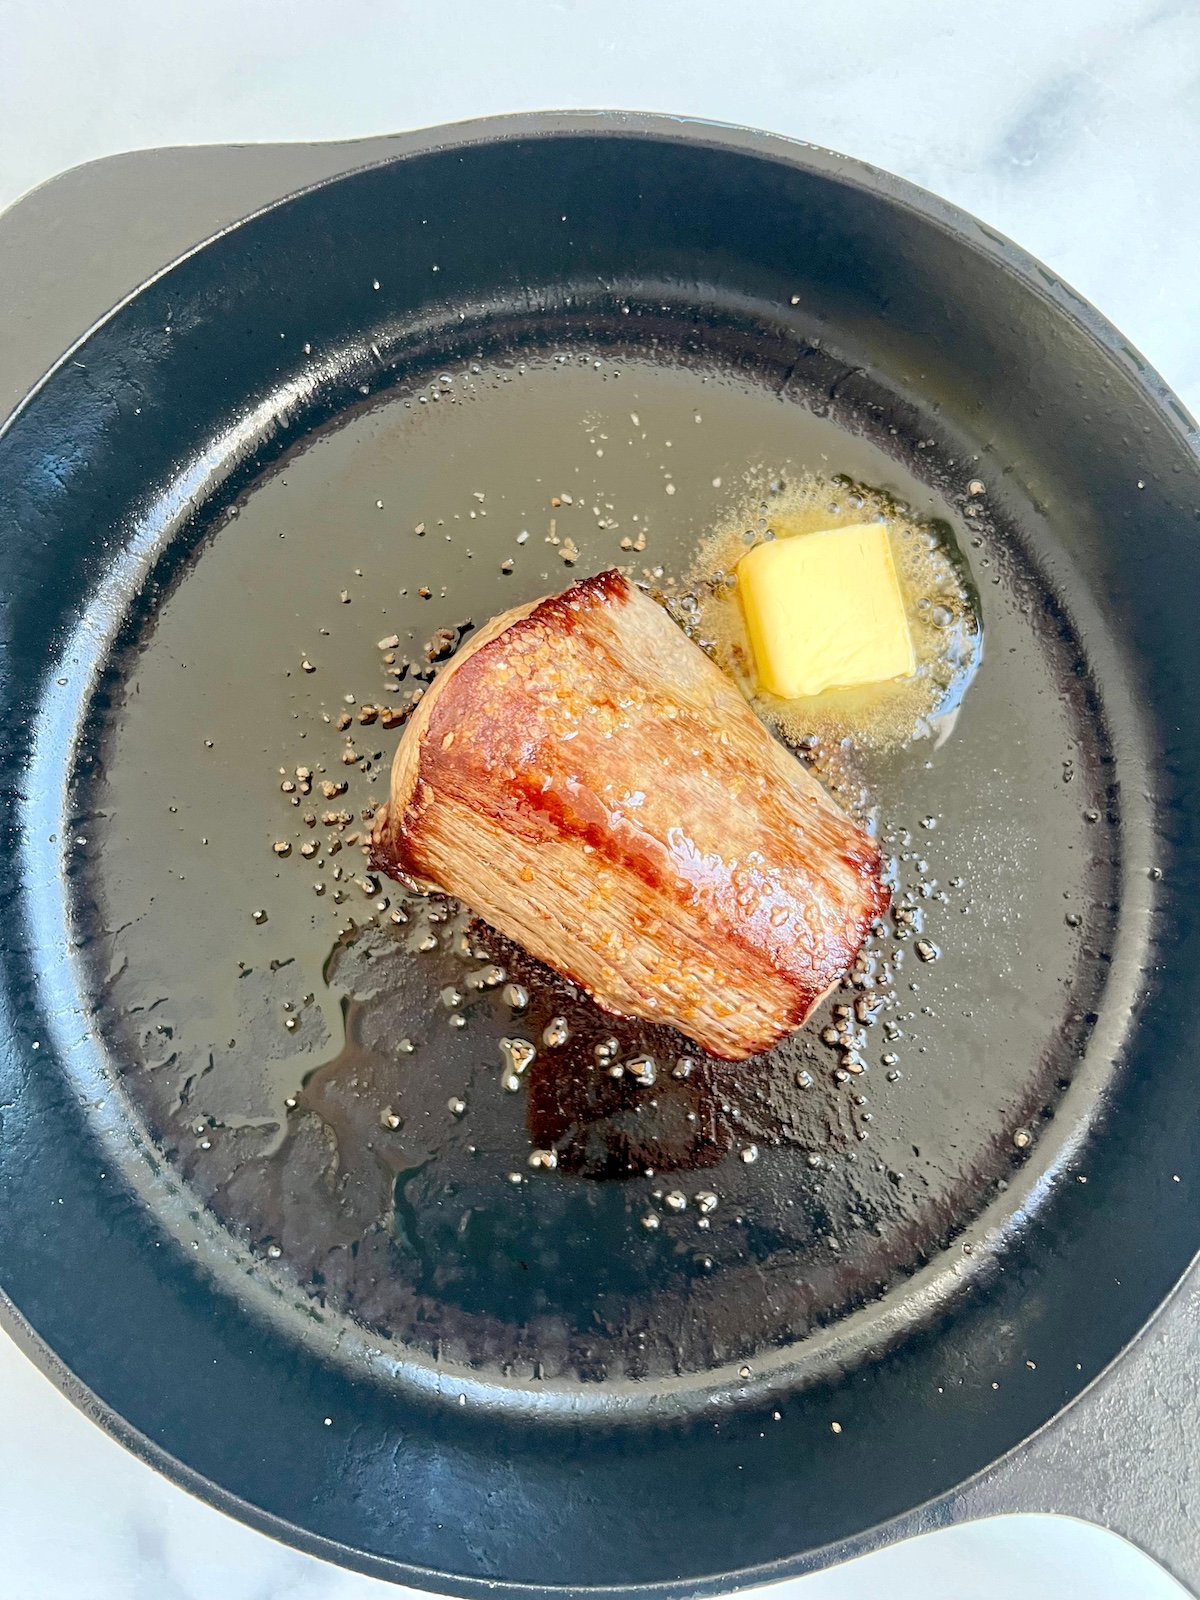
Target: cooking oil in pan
(408,1121)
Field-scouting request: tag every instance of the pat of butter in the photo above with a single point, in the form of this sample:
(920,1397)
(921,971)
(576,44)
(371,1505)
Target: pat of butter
(824,611)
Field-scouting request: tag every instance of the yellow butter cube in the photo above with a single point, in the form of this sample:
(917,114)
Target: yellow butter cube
(824,611)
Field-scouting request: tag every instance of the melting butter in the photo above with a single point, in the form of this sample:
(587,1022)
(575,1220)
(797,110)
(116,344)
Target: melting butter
(939,603)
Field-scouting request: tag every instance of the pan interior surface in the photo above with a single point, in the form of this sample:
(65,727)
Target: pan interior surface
(330,1082)
(392,407)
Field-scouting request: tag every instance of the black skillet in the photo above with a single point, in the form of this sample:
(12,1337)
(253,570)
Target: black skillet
(282,1305)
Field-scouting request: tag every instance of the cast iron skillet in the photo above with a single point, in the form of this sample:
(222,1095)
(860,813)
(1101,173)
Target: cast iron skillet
(562,1408)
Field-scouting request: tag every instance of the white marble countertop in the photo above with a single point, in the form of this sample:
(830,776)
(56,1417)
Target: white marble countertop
(1073,128)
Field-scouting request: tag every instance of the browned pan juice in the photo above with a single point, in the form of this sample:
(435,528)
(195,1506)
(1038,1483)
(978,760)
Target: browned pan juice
(322,1057)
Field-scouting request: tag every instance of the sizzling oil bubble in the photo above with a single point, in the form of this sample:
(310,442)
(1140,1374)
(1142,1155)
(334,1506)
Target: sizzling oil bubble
(556,1033)
(518,1054)
(940,601)
(642,1069)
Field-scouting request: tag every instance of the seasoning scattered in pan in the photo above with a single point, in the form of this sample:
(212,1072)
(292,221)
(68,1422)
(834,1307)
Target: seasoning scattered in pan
(936,593)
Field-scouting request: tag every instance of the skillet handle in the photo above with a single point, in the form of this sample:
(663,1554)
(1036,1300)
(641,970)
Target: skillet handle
(1127,1454)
